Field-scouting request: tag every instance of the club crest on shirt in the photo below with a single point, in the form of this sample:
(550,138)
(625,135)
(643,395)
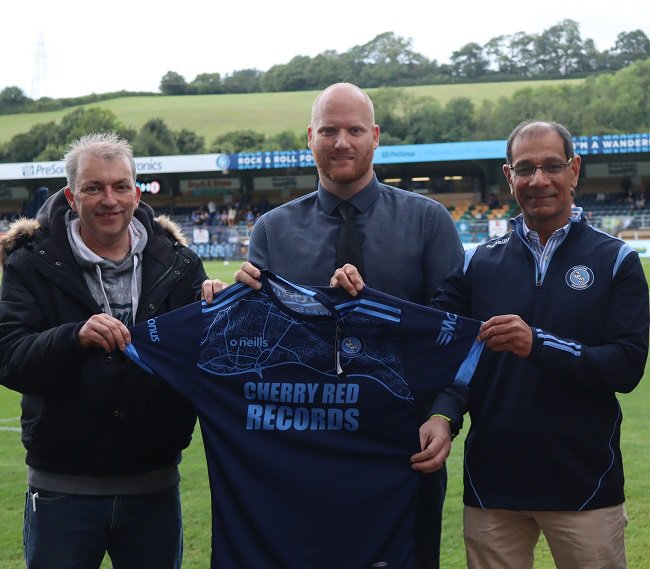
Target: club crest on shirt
(351,346)
(579,277)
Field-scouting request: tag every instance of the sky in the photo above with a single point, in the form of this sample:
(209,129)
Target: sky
(69,48)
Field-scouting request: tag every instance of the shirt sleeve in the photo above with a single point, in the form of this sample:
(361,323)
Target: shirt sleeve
(444,250)
(33,358)
(617,363)
(258,246)
(452,296)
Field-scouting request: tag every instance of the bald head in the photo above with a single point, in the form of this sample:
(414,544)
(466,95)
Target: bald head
(343,136)
(339,95)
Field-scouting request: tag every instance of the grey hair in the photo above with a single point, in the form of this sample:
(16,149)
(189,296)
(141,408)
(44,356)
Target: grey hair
(106,145)
(532,127)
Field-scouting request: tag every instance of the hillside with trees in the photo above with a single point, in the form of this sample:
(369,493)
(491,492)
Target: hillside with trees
(558,52)
(614,100)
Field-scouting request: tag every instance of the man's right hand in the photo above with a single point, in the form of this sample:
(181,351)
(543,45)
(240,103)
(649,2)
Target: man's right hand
(249,275)
(348,278)
(104,331)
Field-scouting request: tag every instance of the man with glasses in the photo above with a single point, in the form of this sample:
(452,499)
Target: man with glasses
(565,311)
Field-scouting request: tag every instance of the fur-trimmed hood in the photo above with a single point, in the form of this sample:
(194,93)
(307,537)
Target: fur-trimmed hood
(24,229)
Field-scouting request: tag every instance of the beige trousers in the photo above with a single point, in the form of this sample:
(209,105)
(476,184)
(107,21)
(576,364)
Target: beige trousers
(506,539)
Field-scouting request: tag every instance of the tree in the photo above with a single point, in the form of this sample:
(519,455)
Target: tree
(155,139)
(188,142)
(424,121)
(559,50)
(469,61)
(206,84)
(173,83)
(457,120)
(26,146)
(327,68)
(242,81)
(292,76)
(238,141)
(13,100)
(391,109)
(630,47)
(510,55)
(387,59)
(52,152)
(82,121)
(285,140)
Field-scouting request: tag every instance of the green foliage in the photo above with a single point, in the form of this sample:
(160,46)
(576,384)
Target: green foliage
(13,96)
(469,61)
(608,103)
(155,138)
(629,47)
(13,100)
(51,152)
(49,141)
(238,141)
(285,140)
(242,81)
(206,84)
(82,121)
(189,142)
(173,83)
(23,147)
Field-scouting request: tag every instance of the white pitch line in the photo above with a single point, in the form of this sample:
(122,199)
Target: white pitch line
(9,419)
(12,429)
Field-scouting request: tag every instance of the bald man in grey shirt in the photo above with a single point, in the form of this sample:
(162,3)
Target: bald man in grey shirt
(409,243)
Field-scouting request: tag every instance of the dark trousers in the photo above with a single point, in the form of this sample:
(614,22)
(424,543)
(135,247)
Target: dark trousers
(76,531)
(428,524)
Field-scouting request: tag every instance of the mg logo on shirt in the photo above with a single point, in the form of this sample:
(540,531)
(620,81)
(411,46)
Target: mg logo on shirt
(447,330)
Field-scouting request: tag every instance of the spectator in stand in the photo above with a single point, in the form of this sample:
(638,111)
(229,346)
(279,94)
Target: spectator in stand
(232,214)
(212,211)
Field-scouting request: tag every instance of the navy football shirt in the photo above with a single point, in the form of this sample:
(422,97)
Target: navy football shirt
(308,402)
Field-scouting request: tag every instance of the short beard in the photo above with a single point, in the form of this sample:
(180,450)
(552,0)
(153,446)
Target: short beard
(362,165)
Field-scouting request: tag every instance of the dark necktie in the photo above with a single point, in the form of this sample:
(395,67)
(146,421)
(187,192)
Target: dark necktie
(348,249)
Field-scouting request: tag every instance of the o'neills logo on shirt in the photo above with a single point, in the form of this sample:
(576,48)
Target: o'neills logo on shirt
(244,342)
(153,330)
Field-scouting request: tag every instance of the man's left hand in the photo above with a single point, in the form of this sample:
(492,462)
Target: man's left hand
(435,442)
(507,333)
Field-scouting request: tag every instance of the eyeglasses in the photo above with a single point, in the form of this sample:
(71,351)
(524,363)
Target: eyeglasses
(550,170)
